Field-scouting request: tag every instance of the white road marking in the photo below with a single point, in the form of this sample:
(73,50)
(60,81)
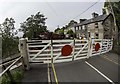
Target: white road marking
(111,60)
(55,75)
(99,72)
(48,74)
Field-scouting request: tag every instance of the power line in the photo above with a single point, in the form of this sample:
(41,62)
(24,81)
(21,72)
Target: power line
(54,11)
(85,10)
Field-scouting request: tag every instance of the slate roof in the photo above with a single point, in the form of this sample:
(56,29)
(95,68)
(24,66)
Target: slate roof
(92,20)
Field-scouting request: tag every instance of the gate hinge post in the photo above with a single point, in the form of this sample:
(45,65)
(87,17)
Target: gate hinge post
(51,42)
(24,52)
(89,48)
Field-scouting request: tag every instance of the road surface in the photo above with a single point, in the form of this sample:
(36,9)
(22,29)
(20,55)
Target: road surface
(98,69)
(102,68)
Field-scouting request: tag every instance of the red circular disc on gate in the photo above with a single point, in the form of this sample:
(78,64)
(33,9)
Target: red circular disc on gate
(66,50)
(97,46)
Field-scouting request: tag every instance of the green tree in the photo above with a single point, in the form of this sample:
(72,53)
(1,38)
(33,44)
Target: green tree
(72,23)
(56,30)
(61,31)
(7,28)
(34,25)
(9,44)
(70,33)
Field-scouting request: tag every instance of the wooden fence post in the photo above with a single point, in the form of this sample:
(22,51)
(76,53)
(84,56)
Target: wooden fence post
(24,53)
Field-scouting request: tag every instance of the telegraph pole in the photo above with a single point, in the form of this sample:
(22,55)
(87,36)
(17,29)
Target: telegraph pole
(116,37)
(116,30)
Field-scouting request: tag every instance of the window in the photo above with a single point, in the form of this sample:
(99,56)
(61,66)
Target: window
(78,27)
(106,37)
(83,27)
(75,29)
(96,25)
(88,34)
(86,26)
(96,35)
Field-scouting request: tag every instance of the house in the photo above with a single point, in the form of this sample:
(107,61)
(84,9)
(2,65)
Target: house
(99,27)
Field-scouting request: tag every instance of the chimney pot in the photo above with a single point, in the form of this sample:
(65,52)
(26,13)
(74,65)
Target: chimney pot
(94,15)
(81,20)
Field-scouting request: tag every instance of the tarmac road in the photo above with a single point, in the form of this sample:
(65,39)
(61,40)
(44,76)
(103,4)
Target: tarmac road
(108,68)
(96,69)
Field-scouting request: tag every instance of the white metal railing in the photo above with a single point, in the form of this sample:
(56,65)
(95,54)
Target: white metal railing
(15,63)
(59,44)
(49,51)
(82,46)
(105,46)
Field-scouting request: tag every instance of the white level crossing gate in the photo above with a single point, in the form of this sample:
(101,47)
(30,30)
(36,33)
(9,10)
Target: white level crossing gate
(49,51)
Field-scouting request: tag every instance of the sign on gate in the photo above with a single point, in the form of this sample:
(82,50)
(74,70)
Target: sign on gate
(66,50)
(97,46)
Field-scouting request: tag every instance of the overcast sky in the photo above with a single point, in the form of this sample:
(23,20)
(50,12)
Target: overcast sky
(57,13)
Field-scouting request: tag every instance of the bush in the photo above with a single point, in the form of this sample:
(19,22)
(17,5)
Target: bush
(5,80)
(17,76)
(9,47)
(118,43)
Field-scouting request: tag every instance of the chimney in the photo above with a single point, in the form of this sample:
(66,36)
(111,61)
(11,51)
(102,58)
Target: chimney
(81,20)
(94,15)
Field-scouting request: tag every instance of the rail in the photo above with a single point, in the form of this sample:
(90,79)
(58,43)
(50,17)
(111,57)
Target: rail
(15,63)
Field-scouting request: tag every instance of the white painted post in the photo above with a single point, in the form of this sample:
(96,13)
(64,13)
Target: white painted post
(107,45)
(111,44)
(52,51)
(89,48)
(73,50)
(101,46)
(24,52)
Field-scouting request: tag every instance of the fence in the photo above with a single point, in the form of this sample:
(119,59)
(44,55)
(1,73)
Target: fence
(106,46)
(49,51)
(9,65)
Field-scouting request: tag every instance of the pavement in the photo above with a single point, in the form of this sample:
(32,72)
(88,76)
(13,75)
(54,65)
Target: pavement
(98,69)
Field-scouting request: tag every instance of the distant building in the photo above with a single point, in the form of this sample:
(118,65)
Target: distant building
(67,29)
(99,27)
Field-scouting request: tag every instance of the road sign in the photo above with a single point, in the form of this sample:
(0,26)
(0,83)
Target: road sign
(97,46)
(66,50)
